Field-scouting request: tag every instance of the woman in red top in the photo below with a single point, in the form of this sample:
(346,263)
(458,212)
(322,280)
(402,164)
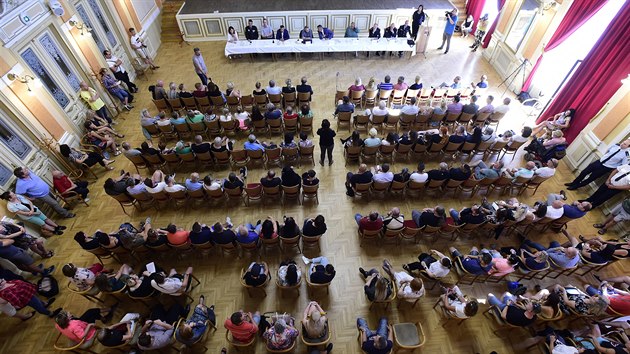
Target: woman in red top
(176,236)
(64,184)
(82,328)
(21,294)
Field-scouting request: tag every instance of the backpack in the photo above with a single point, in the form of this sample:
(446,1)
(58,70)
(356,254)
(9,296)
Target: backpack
(47,286)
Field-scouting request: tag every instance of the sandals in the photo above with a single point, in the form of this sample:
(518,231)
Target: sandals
(49,254)
(601,231)
(598,226)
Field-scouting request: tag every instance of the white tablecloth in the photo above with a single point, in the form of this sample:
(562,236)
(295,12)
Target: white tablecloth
(319,46)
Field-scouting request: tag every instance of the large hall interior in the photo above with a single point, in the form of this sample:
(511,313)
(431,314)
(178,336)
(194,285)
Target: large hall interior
(475,196)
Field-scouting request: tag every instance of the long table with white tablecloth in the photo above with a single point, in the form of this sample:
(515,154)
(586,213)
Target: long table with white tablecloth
(335,45)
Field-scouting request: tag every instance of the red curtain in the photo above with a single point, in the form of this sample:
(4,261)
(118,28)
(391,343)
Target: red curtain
(486,40)
(475,7)
(598,78)
(574,19)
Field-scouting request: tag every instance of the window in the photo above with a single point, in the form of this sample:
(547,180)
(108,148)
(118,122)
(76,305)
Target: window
(51,47)
(33,61)
(13,142)
(5,174)
(87,21)
(100,17)
(522,24)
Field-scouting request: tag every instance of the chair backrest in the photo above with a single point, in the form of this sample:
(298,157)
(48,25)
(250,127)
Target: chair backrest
(406,119)
(198,127)
(255,154)
(344,117)
(498,146)
(182,128)
(239,155)
(353,152)
(306,123)
(222,157)
(273,154)
(361,119)
(362,187)
(247,101)
(464,118)
(482,117)
(380,186)
(275,98)
(310,189)
(416,186)
(189,102)
(386,150)
(159,196)
(370,150)
(291,191)
(304,96)
(398,186)
(451,147)
(378,118)
(384,95)
(175,103)
(217,101)
(202,102)
(260,99)
(306,151)
(161,105)
(233,100)
(254,192)
(435,183)
(271,191)
(357,95)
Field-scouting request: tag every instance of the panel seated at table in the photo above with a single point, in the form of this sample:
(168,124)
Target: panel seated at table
(268,46)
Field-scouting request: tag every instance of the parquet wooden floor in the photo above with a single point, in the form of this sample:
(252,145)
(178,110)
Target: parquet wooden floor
(219,275)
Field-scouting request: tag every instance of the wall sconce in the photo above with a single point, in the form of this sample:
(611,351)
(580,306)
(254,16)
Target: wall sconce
(546,6)
(81,26)
(24,79)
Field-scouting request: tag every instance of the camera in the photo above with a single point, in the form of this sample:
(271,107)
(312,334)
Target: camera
(448,14)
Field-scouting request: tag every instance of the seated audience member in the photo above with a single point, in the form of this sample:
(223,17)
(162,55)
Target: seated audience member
(17,294)
(472,107)
(362,176)
(281,334)
(140,285)
(353,140)
(619,299)
(455,107)
(557,138)
(223,234)
(345,106)
(488,108)
(289,229)
(88,243)
(609,344)
(394,220)
(536,260)
(474,138)
(304,87)
(561,257)
(289,115)
(409,288)
(199,146)
(119,333)
(320,270)
(82,328)
(201,90)
(171,186)
(82,278)
(417,84)
(386,84)
(272,112)
(381,173)
(191,330)
(517,312)
(549,170)
(523,172)
(174,284)
(113,282)
(483,171)
(309,179)
(314,321)
(156,238)
(243,325)
(270,180)
(314,226)
(402,176)
(158,330)
(259,90)
(108,241)
(460,135)
(253,144)
(475,262)
(377,287)
(380,110)
(268,228)
(379,341)
(429,216)
(581,303)
(458,305)
(505,107)
(574,210)
(358,85)
(401,85)
(64,185)
(411,108)
(472,215)
(290,178)
(247,233)
(372,222)
(176,236)
(211,184)
(462,173)
(89,159)
(25,210)
(193,183)
(305,142)
(373,140)
(430,265)
(256,274)
(419,175)
(488,135)
(441,174)
(526,132)
(233,181)
(288,273)
(560,121)
(200,234)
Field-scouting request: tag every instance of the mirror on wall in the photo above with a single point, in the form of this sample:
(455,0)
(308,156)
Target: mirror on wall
(522,24)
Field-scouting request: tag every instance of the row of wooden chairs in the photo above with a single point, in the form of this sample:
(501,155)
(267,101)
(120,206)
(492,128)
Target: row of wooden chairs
(417,122)
(502,185)
(424,96)
(246,102)
(234,159)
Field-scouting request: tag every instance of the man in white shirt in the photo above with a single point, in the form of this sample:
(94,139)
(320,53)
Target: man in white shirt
(419,176)
(382,174)
(171,187)
(381,110)
(435,264)
(266,31)
(618,180)
(174,284)
(273,89)
(411,108)
(615,156)
(505,107)
(115,65)
(156,187)
(394,220)
(547,171)
(555,210)
(137,44)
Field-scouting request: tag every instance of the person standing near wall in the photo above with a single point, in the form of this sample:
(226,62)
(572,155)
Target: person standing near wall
(451,21)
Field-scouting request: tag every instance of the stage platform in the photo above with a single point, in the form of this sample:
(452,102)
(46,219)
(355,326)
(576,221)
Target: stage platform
(207,20)
(210,6)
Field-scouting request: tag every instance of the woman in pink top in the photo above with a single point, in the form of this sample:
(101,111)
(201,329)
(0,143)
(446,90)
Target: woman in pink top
(82,328)
(358,86)
(503,266)
(557,138)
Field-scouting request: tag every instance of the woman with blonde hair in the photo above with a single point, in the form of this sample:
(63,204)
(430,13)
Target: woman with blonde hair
(377,287)
(371,85)
(557,138)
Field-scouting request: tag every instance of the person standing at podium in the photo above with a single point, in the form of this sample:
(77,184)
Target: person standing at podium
(418,18)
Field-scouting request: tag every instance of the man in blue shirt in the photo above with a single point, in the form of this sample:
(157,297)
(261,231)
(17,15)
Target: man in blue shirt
(352,31)
(282,34)
(379,341)
(387,85)
(33,187)
(451,21)
(253,144)
(324,32)
(345,106)
(193,183)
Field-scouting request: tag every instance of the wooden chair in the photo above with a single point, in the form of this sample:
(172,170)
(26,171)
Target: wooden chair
(391,235)
(273,157)
(480,118)
(398,97)
(176,104)
(311,287)
(306,125)
(410,233)
(233,102)
(173,161)
(447,315)
(437,96)
(203,103)
(369,235)
(533,184)
(204,160)
(270,243)
(415,188)
(153,130)
(481,149)
(168,132)
(291,192)
(188,159)
(452,148)
(518,184)
(221,159)
(409,336)
(247,102)
(201,340)
(84,345)
(368,153)
(162,105)
(239,158)
(276,99)
(465,118)
(511,149)
(356,97)
(500,184)
(138,162)
(429,230)
(369,98)
(124,200)
(411,94)
(290,156)
(421,122)
(352,153)
(261,100)
(486,185)
(304,98)
(424,96)
(236,344)
(260,127)
(468,185)
(253,193)
(306,154)
(311,242)
(398,188)
(384,95)
(322,341)
(362,189)
(143,200)
(343,118)
(434,185)
(406,121)
(70,198)
(160,198)
(464,275)
(289,99)
(290,125)
(380,188)
(377,121)
(189,102)
(217,102)
(391,123)
(450,230)
(90,294)
(275,126)
(361,122)
(213,128)
(402,151)
(287,243)
(272,193)
(451,185)
(295,287)
(451,118)
(229,127)
(255,157)
(310,192)
(496,148)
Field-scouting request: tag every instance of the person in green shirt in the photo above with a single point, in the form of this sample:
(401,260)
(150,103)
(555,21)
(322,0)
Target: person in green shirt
(181,148)
(194,116)
(93,100)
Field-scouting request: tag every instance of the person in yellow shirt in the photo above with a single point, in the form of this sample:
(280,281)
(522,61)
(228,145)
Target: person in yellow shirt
(93,100)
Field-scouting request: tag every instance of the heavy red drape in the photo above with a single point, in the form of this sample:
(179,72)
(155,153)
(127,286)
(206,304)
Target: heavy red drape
(475,7)
(574,19)
(486,40)
(598,78)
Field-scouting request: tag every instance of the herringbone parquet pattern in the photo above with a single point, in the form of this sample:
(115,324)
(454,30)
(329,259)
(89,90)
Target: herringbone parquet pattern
(219,275)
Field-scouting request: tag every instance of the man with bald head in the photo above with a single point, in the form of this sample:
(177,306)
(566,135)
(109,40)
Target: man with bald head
(561,257)
(271,180)
(525,172)
(363,175)
(394,220)
(575,210)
